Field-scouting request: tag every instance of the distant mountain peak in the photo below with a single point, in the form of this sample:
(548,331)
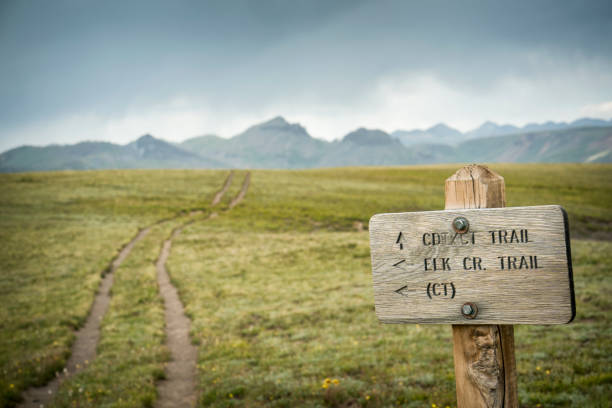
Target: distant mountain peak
(591,122)
(277,125)
(445,133)
(440,126)
(145,139)
(363,136)
(439,133)
(147,146)
(275,122)
(490,128)
(488,125)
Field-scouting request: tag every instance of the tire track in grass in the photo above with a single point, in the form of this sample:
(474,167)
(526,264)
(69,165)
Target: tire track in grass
(83,350)
(179,389)
(217,199)
(87,337)
(240,196)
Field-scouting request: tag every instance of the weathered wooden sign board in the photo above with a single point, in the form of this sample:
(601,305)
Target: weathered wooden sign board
(473,266)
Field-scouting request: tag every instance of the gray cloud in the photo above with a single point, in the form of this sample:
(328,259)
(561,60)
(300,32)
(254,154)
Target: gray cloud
(65,58)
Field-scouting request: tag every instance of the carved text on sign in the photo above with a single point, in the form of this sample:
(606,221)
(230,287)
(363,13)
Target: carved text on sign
(424,268)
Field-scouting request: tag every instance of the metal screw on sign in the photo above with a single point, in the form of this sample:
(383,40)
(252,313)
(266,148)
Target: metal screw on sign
(469,310)
(461,225)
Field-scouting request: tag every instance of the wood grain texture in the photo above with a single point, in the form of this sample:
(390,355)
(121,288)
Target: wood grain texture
(427,274)
(485,365)
(506,333)
(475,187)
(479,366)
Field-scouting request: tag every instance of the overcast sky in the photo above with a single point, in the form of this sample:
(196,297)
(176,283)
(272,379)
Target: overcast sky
(114,70)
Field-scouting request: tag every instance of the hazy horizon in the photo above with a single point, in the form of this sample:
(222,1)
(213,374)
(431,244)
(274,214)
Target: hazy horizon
(113,71)
(390,132)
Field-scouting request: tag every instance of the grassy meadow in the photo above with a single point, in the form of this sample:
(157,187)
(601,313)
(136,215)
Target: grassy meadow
(278,288)
(59,231)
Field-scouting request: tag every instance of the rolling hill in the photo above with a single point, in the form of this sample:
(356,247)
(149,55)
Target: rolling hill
(589,144)
(145,152)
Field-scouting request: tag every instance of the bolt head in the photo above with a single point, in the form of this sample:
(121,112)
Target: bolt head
(467,309)
(460,225)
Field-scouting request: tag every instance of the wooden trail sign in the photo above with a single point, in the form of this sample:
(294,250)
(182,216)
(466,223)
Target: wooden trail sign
(480,267)
(512,264)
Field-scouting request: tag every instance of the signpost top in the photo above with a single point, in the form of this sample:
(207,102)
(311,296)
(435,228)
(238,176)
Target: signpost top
(473,266)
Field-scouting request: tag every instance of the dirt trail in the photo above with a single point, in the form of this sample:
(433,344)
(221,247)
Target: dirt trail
(221,192)
(87,337)
(179,389)
(242,192)
(84,347)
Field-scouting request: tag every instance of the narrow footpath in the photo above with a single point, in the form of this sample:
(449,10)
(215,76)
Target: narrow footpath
(217,199)
(87,337)
(179,389)
(83,350)
(240,196)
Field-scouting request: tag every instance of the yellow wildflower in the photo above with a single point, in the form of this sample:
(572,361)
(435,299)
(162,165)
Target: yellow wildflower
(367,397)
(12,385)
(538,368)
(547,372)
(335,381)
(325,386)
(231,395)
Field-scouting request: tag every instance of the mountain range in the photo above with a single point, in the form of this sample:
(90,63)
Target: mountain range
(441,133)
(280,144)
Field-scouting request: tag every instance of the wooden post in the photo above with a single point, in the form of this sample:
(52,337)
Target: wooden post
(485,367)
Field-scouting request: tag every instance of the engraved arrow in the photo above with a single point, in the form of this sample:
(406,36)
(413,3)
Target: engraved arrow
(403,291)
(400,265)
(407,269)
(403,266)
(406,291)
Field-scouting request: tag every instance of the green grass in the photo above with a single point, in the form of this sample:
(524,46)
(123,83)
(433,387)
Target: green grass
(59,231)
(278,289)
(131,351)
(334,199)
(277,313)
